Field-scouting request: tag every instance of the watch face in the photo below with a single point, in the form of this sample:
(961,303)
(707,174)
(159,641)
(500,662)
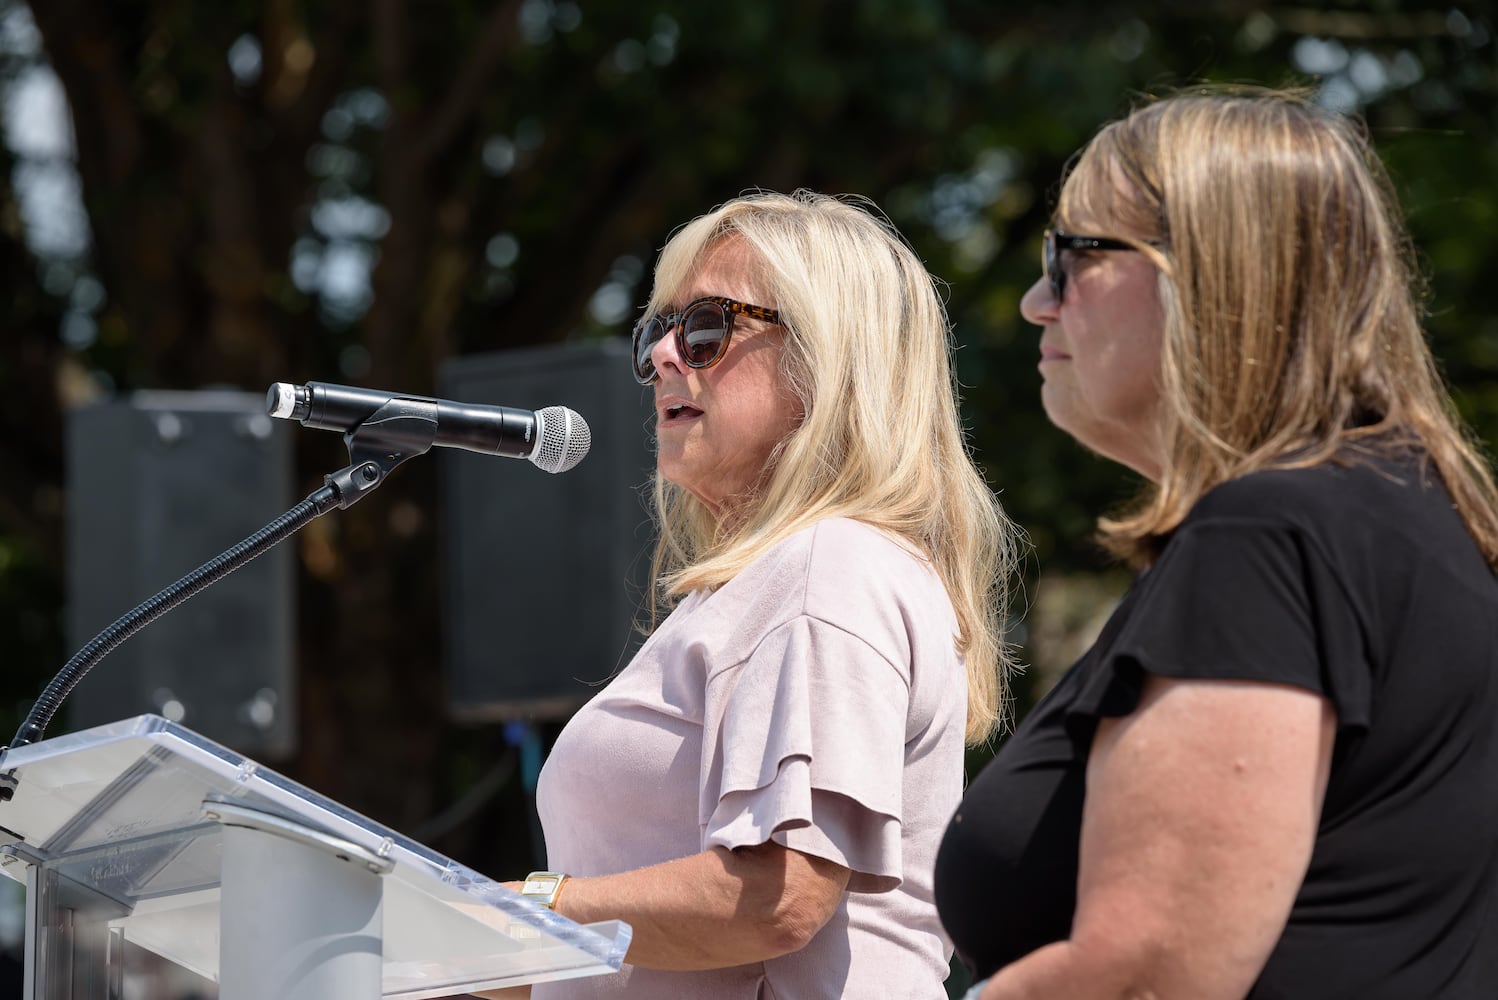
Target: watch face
(542,887)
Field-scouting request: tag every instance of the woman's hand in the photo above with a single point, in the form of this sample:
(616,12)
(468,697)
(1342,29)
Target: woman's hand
(1201,813)
(715,909)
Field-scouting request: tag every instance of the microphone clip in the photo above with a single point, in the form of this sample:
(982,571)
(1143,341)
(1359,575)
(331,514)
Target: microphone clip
(397,431)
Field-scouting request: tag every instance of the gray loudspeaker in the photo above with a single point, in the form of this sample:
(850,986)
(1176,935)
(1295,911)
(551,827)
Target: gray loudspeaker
(545,574)
(159,483)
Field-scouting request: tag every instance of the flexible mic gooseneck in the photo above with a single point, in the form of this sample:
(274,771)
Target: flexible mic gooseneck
(381,430)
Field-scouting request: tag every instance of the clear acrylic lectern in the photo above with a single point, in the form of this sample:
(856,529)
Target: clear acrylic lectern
(152,855)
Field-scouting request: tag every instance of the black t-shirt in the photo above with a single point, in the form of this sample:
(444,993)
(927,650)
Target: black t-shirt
(1356,582)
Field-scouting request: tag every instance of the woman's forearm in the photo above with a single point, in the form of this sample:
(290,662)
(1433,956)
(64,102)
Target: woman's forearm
(715,909)
(1199,822)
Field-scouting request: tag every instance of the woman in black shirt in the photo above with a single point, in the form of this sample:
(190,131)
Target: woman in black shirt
(1276,772)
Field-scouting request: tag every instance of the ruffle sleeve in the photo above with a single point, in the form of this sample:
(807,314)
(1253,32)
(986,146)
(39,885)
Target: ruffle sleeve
(803,744)
(1233,600)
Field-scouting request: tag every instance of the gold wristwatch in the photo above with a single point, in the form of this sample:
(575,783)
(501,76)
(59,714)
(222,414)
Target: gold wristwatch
(543,888)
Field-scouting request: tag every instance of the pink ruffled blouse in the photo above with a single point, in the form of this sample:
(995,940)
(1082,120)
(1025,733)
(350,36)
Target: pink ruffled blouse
(816,700)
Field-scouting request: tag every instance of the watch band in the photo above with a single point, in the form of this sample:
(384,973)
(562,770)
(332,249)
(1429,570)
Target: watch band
(543,888)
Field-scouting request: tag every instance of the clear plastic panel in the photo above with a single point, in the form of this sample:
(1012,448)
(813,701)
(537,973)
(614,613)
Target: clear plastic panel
(119,810)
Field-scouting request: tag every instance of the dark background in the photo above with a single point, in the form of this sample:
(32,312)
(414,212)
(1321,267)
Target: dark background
(365,191)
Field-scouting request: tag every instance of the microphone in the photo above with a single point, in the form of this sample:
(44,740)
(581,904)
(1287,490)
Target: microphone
(554,439)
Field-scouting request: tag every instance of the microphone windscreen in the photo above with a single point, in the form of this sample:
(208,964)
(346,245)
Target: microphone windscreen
(564,439)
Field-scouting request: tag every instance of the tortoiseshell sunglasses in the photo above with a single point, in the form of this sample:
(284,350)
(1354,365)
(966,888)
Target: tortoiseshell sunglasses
(703,328)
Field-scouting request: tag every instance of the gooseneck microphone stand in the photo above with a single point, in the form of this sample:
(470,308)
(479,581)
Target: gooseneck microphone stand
(397,431)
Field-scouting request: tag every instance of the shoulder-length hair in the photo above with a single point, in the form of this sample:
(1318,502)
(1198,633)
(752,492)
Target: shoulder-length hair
(867,352)
(1292,331)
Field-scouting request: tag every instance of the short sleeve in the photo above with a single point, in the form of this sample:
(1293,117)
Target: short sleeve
(803,744)
(1235,599)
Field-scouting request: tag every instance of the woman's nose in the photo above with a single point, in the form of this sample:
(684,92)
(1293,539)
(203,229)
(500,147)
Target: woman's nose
(665,352)
(1039,305)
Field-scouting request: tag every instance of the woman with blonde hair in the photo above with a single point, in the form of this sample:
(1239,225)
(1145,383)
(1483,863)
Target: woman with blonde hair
(1276,772)
(761,791)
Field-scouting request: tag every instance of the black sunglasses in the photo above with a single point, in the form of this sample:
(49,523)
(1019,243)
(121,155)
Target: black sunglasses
(703,328)
(1055,242)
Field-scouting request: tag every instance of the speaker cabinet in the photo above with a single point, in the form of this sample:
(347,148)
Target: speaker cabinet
(545,574)
(159,483)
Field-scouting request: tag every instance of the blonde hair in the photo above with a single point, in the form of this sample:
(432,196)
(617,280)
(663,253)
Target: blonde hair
(1292,333)
(867,352)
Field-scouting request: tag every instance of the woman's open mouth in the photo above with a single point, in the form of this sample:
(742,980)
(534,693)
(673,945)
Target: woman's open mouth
(679,413)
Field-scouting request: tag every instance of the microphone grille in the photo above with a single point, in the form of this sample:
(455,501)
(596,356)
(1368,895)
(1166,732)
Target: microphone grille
(564,439)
